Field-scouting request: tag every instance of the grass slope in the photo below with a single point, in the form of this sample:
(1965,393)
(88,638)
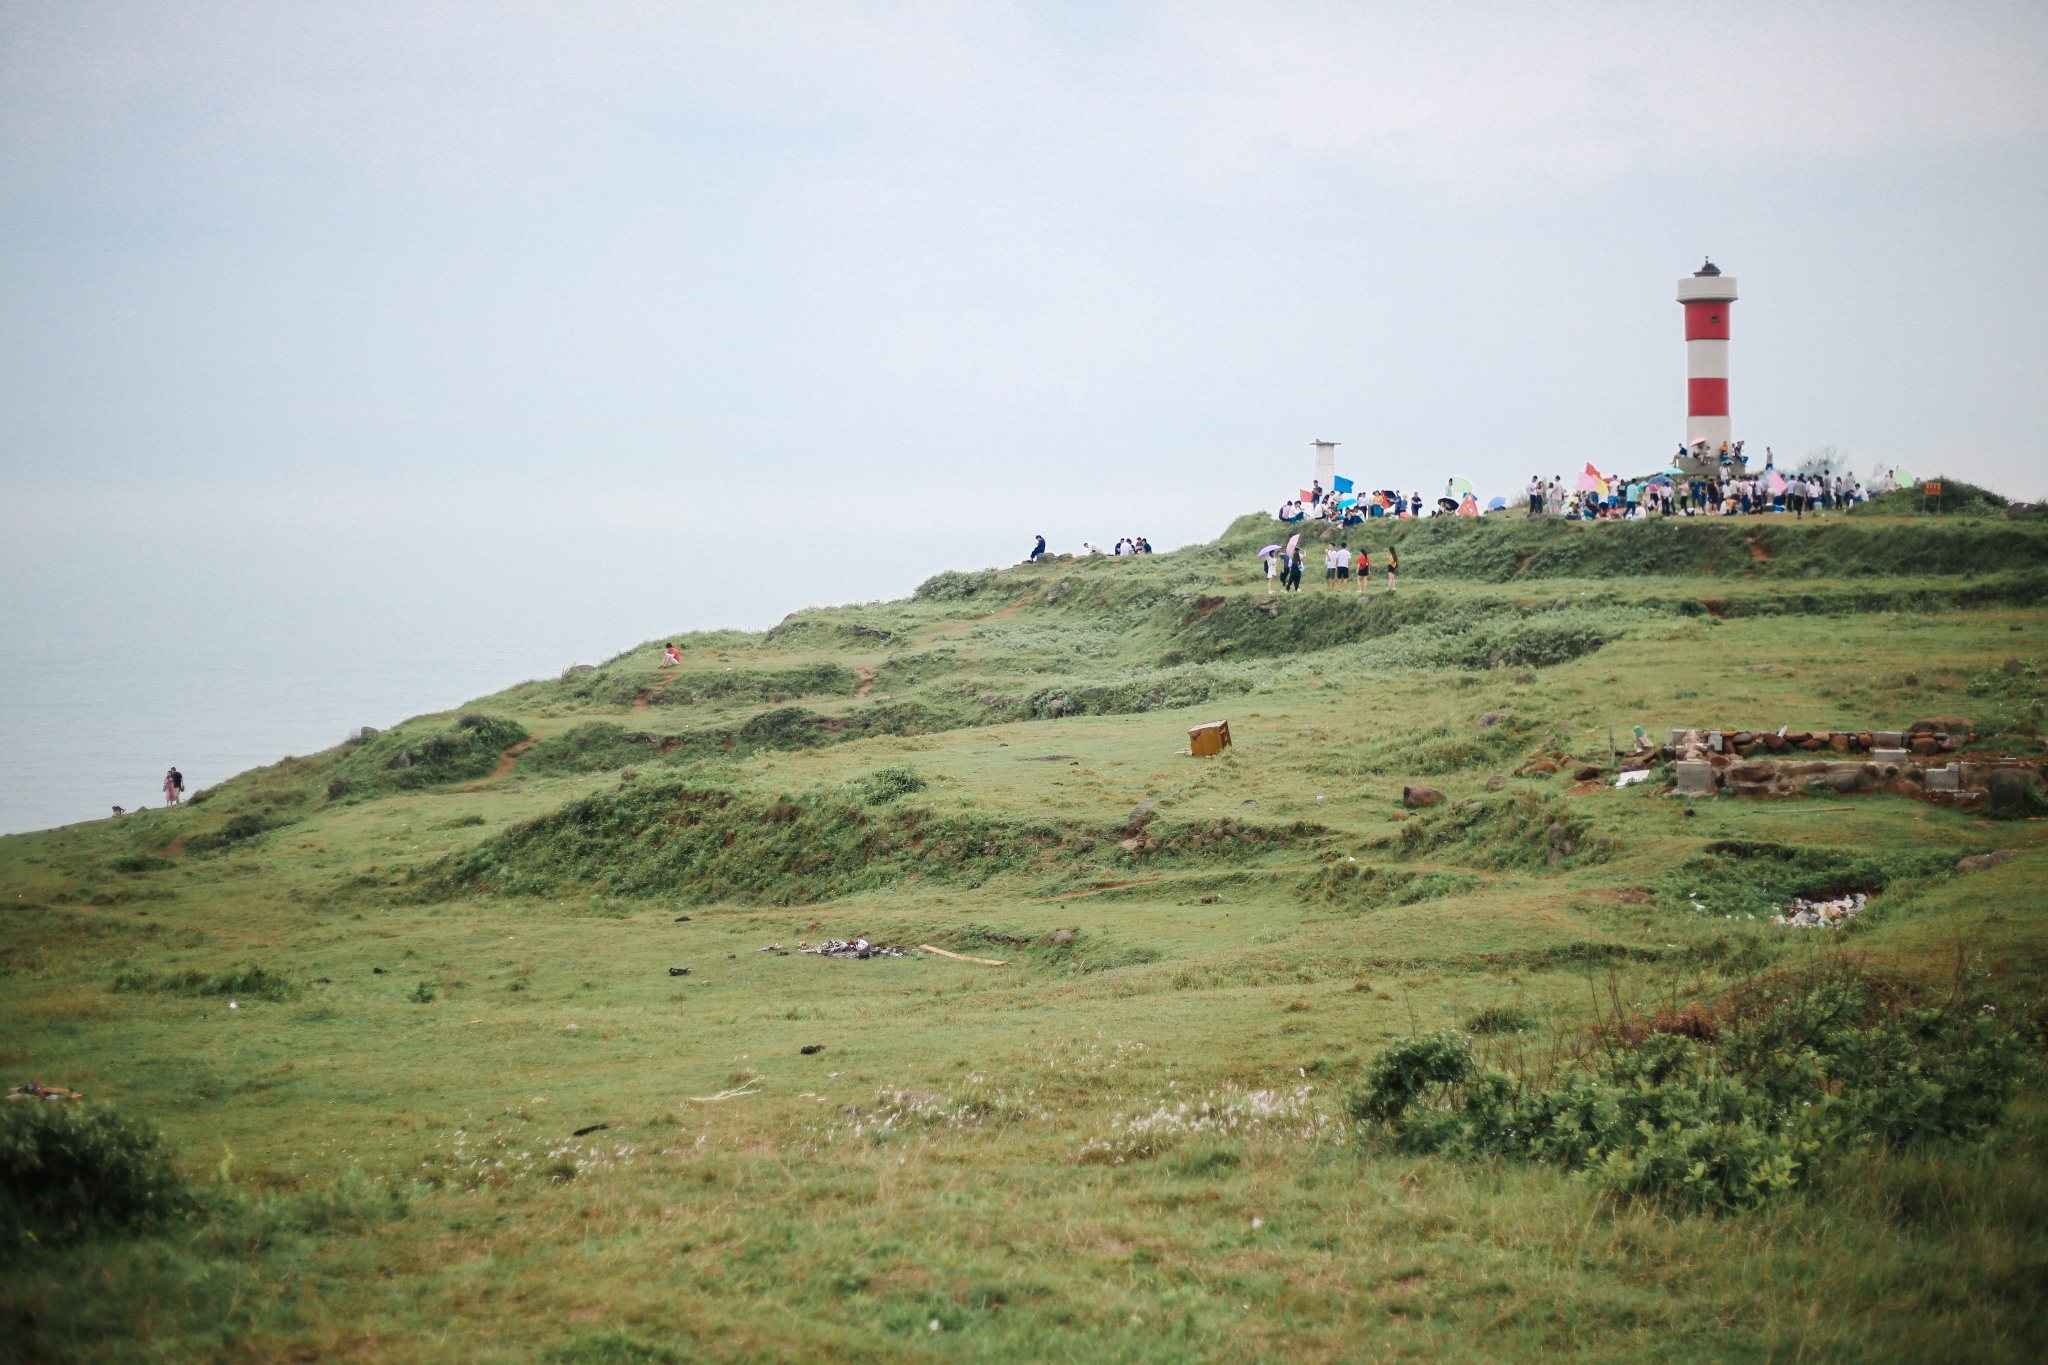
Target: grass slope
(379,1000)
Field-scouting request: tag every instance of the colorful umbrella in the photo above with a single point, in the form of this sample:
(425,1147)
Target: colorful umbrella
(1463,487)
(1269,550)
(1496,504)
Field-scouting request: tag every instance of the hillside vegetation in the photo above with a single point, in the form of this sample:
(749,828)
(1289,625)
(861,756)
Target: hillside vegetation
(489,1036)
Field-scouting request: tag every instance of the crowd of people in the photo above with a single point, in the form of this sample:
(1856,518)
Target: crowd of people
(1718,488)
(1343,568)
(1345,508)
(1128,545)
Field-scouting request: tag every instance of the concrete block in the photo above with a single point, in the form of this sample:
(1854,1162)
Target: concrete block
(1889,753)
(1949,779)
(1695,779)
(1888,739)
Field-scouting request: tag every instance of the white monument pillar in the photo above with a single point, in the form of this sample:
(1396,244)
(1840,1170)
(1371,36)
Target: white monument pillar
(1326,464)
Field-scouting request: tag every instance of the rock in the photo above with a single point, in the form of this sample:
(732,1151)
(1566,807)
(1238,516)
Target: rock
(811,1049)
(1926,745)
(1060,936)
(685,919)
(1492,718)
(2008,787)
(1496,782)
(1082,843)
(1525,677)
(2014,665)
(1416,797)
(1129,845)
(1977,862)
(337,787)
(1056,707)
(1839,742)
(583,668)
(1091,693)
(1695,779)
(1945,725)
(1846,780)
(1142,814)
(679,971)
(402,759)
(1542,765)
(1587,772)
(1752,772)
(1810,745)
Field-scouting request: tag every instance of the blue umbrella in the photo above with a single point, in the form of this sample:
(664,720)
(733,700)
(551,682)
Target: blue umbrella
(1496,504)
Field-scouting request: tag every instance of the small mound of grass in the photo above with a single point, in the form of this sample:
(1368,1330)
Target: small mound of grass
(1357,886)
(1526,830)
(247,982)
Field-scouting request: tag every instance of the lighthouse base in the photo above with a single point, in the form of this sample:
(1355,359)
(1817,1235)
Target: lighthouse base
(1715,431)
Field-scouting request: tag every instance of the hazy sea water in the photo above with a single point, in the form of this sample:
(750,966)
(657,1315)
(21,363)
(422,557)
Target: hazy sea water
(248,643)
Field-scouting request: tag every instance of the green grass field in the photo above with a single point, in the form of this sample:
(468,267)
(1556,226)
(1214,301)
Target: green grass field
(371,996)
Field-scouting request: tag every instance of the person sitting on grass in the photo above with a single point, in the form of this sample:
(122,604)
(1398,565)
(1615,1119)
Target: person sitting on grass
(671,656)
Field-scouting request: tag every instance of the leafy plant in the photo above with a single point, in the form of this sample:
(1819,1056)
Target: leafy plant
(68,1171)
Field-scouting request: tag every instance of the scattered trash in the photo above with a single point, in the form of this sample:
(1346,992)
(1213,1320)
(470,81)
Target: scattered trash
(859,947)
(1808,914)
(811,1049)
(1630,779)
(739,1093)
(36,1090)
(679,971)
(233,1006)
(593,1128)
(962,957)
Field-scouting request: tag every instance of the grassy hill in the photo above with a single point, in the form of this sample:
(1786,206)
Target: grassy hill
(487,1037)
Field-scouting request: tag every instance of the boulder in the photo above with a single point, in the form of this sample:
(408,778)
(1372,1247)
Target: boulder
(1752,772)
(1846,780)
(337,787)
(1839,742)
(1953,725)
(1926,745)
(1587,772)
(1977,862)
(1060,936)
(1142,814)
(1416,797)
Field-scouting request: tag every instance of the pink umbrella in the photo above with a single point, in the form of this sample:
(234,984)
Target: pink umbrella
(1293,541)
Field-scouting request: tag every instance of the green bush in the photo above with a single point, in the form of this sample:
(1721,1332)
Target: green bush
(1804,1069)
(1360,886)
(884,785)
(235,830)
(954,586)
(1957,499)
(68,1172)
(413,756)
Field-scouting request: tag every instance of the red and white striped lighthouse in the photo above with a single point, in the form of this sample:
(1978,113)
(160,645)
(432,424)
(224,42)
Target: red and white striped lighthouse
(1708,296)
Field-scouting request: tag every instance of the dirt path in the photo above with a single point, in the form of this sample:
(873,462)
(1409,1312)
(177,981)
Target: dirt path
(1011,610)
(646,699)
(867,682)
(506,761)
(1098,889)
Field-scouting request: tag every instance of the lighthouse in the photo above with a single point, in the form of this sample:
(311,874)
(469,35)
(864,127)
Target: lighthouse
(1708,296)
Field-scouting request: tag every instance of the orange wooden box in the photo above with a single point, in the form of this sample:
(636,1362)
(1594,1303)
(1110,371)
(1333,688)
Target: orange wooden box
(1206,741)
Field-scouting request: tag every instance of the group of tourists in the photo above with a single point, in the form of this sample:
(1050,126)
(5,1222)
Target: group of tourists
(1348,509)
(1342,567)
(1129,545)
(1726,493)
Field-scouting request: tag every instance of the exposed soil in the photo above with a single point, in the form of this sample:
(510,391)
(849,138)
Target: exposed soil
(506,761)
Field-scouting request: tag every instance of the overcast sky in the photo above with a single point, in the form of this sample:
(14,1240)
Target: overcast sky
(640,317)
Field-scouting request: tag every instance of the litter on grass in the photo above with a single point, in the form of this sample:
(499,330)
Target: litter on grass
(1806,914)
(36,1090)
(1630,779)
(859,947)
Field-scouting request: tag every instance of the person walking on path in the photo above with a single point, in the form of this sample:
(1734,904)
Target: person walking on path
(174,787)
(1393,564)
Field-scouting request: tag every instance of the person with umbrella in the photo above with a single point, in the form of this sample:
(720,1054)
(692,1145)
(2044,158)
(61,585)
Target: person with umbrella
(1271,554)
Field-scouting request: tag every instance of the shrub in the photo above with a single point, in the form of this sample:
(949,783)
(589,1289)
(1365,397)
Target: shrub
(1357,886)
(1495,1019)
(236,830)
(1751,878)
(1804,1068)
(68,1172)
(954,586)
(884,785)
